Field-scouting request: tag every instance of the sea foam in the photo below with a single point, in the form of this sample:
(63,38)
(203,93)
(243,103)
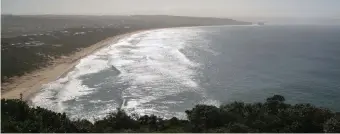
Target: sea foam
(150,62)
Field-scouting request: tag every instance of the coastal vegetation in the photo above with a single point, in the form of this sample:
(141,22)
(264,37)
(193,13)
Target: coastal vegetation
(24,54)
(32,42)
(273,115)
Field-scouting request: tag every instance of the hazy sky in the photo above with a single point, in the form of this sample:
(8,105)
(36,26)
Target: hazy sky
(213,8)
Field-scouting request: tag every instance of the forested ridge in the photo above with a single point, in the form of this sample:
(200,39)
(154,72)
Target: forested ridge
(273,115)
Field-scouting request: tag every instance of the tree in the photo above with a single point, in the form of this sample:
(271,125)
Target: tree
(332,125)
(204,117)
(277,98)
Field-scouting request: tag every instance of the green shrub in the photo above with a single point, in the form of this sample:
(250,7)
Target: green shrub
(272,116)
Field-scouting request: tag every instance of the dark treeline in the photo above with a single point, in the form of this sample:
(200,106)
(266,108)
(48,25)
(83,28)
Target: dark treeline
(30,42)
(271,116)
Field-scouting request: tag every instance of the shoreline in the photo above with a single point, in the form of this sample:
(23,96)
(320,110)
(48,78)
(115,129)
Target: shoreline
(31,83)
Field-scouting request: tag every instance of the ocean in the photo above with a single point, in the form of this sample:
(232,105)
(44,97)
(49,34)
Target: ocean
(167,71)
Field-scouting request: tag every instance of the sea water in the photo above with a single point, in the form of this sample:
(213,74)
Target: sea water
(167,71)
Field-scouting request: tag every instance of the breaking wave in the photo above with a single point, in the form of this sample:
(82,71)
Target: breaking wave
(145,73)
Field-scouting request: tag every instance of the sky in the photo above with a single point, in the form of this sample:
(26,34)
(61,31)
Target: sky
(210,8)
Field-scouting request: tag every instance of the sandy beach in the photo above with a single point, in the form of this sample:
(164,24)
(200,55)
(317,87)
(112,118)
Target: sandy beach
(31,83)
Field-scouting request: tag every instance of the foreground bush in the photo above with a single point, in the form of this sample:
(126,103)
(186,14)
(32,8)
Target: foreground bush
(271,116)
